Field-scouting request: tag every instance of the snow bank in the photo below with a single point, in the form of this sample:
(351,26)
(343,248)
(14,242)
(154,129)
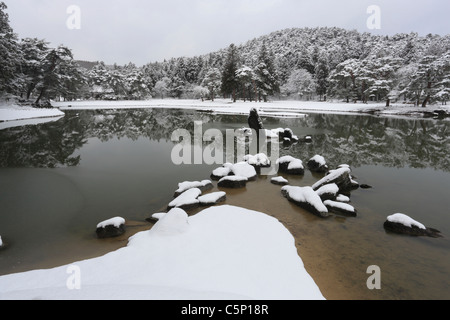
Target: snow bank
(405,220)
(14,112)
(223,252)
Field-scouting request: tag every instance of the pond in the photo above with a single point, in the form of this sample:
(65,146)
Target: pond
(59,179)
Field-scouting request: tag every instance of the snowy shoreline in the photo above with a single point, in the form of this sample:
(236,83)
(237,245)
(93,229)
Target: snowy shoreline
(183,258)
(274,108)
(13,115)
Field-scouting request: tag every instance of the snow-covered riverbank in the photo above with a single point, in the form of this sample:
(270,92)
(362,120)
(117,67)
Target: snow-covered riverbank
(12,112)
(223,252)
(274,108)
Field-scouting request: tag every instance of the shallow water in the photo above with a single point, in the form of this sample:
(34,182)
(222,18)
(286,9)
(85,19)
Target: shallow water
(59,179)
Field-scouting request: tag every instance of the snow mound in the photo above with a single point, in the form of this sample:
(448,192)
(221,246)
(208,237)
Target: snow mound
(116,222)
(185,258)
(405,220)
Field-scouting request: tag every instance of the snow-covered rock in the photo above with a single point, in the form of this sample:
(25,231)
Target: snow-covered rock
(328,191)
(306,198)
(244,169)
(233,182)
(113,227)
(317,164)
(401,223)
(238,169)
(186,200)
(212,198)
(204,185)
(258,160)
(222,171)
(340,176)
(279,181)
(290,165)
(340,208)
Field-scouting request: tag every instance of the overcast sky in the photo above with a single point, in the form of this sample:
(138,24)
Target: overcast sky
(142,31)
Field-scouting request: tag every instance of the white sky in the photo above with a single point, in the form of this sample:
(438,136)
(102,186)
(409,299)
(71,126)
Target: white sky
(143,31)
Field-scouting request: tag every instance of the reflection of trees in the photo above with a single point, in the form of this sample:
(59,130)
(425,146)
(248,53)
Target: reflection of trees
(364,140)
(357,140)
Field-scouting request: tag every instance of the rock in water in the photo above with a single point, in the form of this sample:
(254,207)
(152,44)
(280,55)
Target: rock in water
(306,198)
(111,228)
(403,224)
(317,164)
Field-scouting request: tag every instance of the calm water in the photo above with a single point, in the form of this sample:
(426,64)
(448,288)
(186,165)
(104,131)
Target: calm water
(59,179)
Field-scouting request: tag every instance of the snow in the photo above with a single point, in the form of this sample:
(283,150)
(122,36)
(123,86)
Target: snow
(405,220)
(234,178)
(333,174)
(12,112)
(342,198)
(328,188)
(285,159)
(272,109)
(116,222)
(305,194)
(158,215)
(319,159)
(188,197)
(295,164)
(212,197)
(183,186)
(259,159)
(244,169)
(221,171)
(340,205)
(184,258)
(280,179)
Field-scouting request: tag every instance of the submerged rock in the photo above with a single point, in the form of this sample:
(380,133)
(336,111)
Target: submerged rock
(403,224)
(306,198)
(111,228)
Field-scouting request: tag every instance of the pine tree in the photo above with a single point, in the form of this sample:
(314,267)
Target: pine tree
(10,55)
(230,82)
(213,82)
(266,75)
(322,72)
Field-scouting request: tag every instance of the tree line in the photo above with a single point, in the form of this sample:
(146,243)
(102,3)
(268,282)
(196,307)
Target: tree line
(307,64)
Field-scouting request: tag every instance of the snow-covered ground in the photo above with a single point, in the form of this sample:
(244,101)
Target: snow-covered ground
(221,253)
(275,108)
(12,112)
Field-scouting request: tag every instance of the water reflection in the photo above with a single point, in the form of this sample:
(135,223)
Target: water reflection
(359,140)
